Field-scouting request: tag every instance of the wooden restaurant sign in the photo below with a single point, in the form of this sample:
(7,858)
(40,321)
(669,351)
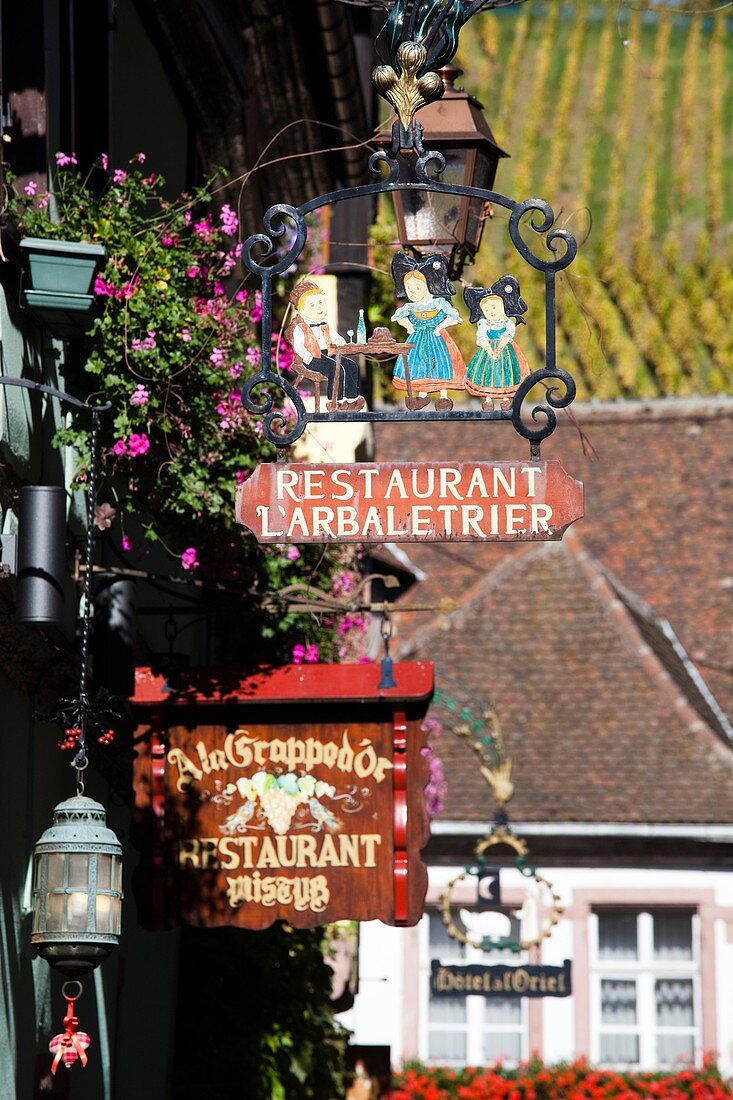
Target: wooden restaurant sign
(409,502)
(293,794)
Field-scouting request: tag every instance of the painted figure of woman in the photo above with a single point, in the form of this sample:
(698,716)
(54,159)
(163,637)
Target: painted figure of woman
(434,363)
(499,365)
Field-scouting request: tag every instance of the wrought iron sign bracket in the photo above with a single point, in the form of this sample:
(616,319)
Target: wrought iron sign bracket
(276,398)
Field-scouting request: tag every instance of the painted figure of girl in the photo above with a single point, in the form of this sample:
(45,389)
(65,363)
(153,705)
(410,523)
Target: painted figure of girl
(499,365)
(434,364)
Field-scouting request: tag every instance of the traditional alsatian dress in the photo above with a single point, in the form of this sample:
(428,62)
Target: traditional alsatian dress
(496,373)
(435,363)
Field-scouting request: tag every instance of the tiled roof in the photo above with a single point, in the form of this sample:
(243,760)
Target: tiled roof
(669,651)
(659,512)
(597,726)
(602,703)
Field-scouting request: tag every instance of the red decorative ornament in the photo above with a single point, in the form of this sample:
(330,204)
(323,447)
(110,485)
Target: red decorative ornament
(71,1044)
(106,738)
(71,736)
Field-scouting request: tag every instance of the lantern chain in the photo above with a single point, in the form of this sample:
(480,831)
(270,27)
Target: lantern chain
(81,761)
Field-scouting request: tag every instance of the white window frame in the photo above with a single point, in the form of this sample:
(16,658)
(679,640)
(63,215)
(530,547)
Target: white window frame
(474,1026)
(645,971)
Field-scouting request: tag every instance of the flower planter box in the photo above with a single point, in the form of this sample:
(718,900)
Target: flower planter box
(65,267)
(61,276)
(66,316)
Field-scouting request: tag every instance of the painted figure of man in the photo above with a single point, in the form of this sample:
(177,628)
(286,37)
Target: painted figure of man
(313,340)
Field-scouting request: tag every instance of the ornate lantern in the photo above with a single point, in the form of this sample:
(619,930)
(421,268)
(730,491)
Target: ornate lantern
(77,888)
(429,221)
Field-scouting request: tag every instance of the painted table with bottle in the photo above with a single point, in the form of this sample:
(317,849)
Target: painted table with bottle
(381,346)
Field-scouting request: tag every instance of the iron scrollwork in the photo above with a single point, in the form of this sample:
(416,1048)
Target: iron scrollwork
(275,223)
(409,167)
(542,228)
(263,246)
(555,400)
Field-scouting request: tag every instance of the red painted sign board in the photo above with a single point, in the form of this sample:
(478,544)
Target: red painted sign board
(409,502)
(290,794)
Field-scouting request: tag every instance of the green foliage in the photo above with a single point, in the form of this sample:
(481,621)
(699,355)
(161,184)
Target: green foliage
(175,336)
(269,1033)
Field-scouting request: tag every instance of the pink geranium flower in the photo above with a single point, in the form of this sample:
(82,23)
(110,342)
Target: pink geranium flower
(104,514)
(145,345)
(140,396)
(138,444)
(102,288)
(229,221)
(189,558)
(255,314)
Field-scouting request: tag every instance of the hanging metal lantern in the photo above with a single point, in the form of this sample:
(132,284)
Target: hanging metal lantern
(426,221)
(77,888)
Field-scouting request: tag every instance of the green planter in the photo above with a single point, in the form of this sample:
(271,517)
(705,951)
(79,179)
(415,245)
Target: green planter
(61,276)
(65,267)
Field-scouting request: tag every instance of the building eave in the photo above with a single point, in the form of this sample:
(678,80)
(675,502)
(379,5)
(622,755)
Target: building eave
(710,832)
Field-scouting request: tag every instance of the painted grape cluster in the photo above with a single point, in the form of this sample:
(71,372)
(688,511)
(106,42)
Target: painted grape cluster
(279,796)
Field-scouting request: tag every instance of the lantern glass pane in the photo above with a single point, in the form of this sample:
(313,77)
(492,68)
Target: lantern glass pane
(78,906)
(56,861)
(474,224)
(37,873)
(116,921)
(78,870)
(475,220)
(55,912)
(104,870)
(431,217)
(483,171)
(104,910)
(117,876)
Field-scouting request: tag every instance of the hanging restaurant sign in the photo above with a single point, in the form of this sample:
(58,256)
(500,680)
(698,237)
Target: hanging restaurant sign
(293,794)
(500,980)
(409,502)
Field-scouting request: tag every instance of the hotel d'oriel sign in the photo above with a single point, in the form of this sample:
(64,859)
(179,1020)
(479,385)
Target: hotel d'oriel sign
(295,794)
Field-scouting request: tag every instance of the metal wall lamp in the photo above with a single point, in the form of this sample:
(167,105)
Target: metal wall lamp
(450,223)
(36,555)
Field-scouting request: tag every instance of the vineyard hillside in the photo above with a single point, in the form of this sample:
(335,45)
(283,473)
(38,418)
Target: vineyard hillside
(621,116)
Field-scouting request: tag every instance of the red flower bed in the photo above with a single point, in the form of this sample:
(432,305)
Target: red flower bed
(576,1081)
